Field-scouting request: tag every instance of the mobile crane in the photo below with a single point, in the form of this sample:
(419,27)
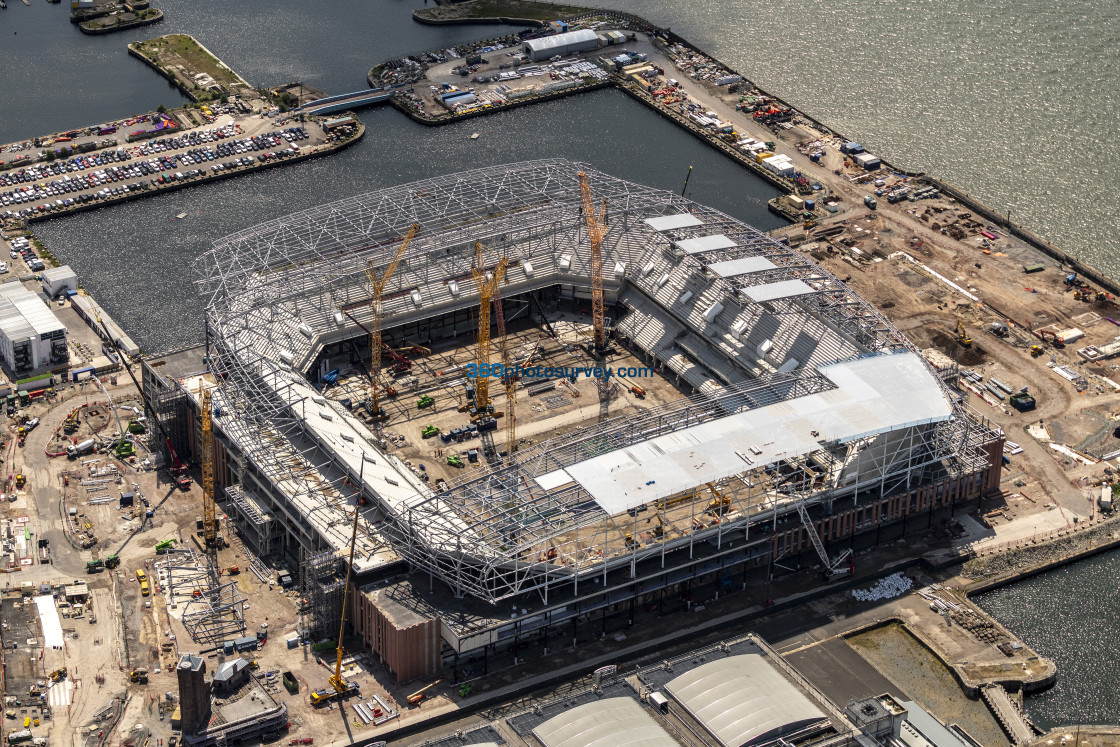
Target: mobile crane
(178,469)
(340,688)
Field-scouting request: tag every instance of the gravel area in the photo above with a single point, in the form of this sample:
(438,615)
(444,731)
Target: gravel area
(1031,556)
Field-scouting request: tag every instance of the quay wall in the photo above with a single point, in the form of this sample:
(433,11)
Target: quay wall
(451,118)
(1029,560)
(170,78)
(639,23)
(203,179)
(173,80)
(94,31)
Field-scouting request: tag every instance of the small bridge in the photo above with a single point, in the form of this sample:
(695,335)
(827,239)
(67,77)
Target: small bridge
(345,101)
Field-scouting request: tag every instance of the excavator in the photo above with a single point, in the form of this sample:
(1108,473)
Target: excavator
(1051,337)
(963,337)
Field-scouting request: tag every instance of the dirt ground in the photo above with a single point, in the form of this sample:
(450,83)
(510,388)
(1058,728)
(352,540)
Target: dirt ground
(440,375)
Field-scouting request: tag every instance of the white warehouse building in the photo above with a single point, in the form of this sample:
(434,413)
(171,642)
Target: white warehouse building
(583,40)
(58,280)
(31,336)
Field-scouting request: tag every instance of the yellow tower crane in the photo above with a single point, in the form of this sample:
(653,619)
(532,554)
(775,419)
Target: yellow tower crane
(509,379)
(486,283)
(209,522)
(596,230)
(377,285)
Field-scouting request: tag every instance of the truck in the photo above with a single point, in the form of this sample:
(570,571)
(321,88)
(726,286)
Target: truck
(327,694)
(80,449)
(870,202)
(18,737)
(1022,401)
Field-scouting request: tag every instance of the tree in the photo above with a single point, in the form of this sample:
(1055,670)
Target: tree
(225,99)
(161,109)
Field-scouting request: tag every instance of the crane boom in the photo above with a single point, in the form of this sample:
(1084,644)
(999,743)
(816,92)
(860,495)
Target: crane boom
(377,285)
(596,229)
(177,467)
(486,288)
(508,377)
(340,685)
(209,522)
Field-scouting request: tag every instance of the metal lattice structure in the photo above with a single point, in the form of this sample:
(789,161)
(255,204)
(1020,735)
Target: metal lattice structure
(279,293)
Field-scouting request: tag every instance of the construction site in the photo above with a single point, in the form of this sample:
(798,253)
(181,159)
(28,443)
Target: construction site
(770,417)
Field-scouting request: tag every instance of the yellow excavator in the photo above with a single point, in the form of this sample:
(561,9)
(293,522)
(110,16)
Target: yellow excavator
(962,335)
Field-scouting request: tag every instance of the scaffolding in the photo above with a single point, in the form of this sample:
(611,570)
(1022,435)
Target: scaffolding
(279,293)
(322,585)
(211,614)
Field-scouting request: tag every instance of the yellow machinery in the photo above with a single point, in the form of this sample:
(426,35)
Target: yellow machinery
(209,521)
(338,686)
(377,286)
(418,697)
(720,502)
(509,379)
(486,288)
(962,335)
(596,229)
(1036,350)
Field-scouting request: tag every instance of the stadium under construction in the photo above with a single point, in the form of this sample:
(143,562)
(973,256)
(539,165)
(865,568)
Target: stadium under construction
(802,426)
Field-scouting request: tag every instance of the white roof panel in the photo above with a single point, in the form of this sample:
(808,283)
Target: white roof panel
(873,395)
(743,700)
(704,244)
(612,722)
(775,291)
(669,222)
(744,266)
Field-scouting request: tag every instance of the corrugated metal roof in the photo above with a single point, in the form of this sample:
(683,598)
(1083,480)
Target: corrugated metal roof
(562,40)
(775,291)
(228,669)
(704,244)
(669,222)
(744,266)
(872,396)
(613,722)
(23,314)
(63,272)
(743,700)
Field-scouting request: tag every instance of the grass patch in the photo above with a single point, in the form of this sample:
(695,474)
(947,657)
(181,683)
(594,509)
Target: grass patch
(182,49)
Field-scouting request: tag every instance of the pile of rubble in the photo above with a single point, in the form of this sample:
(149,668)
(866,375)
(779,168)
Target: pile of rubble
(890,587)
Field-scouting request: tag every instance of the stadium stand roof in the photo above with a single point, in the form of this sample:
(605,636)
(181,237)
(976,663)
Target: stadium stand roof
(743,700)
(612,722)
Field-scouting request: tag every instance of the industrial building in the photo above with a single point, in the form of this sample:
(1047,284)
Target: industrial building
(571,42)
(737,693)
(32,339)
(58,281)
(806,427)
(246,712)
